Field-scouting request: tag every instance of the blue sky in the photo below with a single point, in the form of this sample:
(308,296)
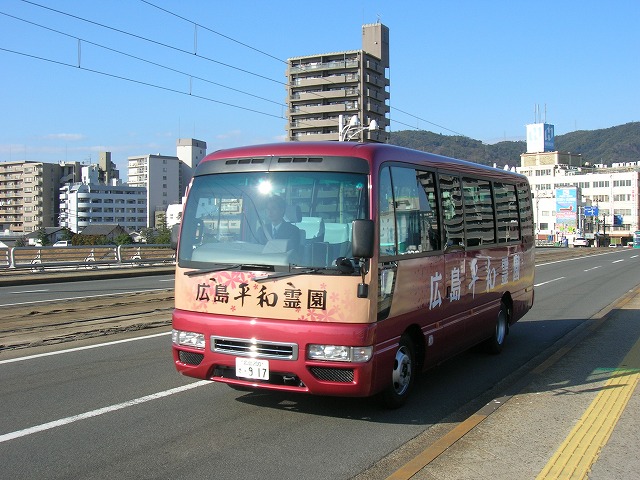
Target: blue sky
(476,68)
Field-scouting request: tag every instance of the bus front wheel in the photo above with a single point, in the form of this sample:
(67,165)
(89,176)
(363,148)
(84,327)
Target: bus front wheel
(402,374)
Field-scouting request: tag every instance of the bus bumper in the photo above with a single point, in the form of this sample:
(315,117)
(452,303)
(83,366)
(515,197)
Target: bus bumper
(283,345)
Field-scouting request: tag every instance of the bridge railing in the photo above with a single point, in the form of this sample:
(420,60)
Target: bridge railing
(85,256)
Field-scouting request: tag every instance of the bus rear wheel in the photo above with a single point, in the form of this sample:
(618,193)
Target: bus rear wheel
(495,344)
(402,374)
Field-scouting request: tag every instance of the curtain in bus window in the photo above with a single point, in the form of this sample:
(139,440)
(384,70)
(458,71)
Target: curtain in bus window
(451,201)
(429,208)
(478,212)
(526,212)
(386,219)
(506,212)
(416,216)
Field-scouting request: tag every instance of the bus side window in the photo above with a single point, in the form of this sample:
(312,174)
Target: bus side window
(386,215)
(506,212)
(478,212)
(429,211)
(451,200)
(526,212)
(417,226)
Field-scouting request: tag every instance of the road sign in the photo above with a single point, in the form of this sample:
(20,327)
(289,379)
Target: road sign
(590,211)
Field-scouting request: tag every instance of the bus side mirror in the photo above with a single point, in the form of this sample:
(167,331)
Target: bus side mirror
(362,241)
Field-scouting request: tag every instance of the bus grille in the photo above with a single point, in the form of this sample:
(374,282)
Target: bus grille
(254,348)
(332,374)
(190,358)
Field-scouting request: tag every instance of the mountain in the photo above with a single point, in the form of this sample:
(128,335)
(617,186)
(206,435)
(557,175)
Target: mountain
(607,145)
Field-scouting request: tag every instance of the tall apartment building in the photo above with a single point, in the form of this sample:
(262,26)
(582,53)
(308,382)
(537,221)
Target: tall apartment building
(91,202)
(28,196)
(321,88)
(160,176)
(190,151)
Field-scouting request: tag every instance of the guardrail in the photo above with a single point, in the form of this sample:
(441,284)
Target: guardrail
(85,256)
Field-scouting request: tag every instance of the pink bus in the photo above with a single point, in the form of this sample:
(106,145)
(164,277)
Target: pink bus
(340,268)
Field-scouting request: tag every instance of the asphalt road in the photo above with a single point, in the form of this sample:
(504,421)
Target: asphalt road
(21,294)
(119,410)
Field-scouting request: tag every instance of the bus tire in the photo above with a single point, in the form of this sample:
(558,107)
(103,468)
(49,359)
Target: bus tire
(495,344)
(403,374)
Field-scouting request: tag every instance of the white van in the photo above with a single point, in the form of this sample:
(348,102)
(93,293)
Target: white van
(580,242)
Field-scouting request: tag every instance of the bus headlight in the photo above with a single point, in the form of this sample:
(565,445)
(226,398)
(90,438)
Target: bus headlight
(339,353)
(188,339)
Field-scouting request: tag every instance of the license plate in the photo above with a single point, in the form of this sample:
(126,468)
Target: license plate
(252,368)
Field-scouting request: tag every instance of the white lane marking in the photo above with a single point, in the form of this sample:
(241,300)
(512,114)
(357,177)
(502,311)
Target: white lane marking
(589,269)
(550,281)
(82,298)
(77,349)
(100,411)
(573,259)
(633,256)
(618,261)
(29,291)
(168,280)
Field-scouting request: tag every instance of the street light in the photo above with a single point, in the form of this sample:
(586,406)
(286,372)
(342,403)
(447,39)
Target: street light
(352,129)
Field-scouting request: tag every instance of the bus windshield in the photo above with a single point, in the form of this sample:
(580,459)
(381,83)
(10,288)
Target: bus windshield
(271,220)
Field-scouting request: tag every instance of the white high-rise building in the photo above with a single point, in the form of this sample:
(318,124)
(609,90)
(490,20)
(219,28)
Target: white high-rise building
(92,203)
(190,151)
(160,176)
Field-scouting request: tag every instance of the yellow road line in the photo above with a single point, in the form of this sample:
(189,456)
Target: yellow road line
(581,448)
(436,449)
(432,452)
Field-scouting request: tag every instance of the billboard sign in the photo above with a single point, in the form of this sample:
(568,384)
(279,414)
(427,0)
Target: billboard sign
(540,138)
(567,206)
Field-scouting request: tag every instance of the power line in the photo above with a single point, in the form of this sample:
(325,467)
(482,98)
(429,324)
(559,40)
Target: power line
(200,56)
(215,32)
(427,121)
(132,80)
(142,59)
(139,37)
(191,76)
(286,63)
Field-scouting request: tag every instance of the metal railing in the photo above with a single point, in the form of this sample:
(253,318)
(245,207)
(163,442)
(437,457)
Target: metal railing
(85,256)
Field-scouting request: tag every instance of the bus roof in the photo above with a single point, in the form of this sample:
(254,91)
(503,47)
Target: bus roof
(373,153)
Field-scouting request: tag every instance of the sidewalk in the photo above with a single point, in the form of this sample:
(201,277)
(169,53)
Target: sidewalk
(578,416)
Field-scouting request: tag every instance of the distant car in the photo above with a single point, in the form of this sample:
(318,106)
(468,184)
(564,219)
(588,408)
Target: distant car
(62,243)
(580,242)
(613,245)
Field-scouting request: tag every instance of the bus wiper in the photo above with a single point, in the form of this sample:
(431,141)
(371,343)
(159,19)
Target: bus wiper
(293,270)
(241,266)
(204,271)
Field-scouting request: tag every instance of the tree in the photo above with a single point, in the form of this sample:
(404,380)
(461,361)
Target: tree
(79,239)
(161,236)
(42,237)
(124,239)
(67,234)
